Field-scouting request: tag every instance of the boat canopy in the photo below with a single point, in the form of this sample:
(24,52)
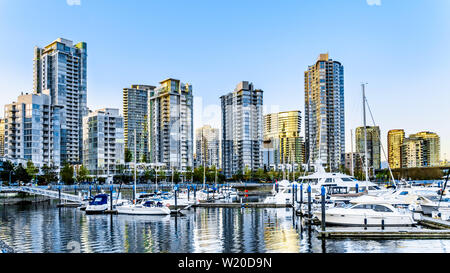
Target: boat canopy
(100,199)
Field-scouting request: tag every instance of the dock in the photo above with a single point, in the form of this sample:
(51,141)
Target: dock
(69,205)
(433,223)
(388,233)
(242,205)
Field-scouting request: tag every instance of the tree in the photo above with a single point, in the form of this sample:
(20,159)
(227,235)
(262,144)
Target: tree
(32,170)
(82,174)
(238,176)
(260,175)
(247,173)
(176,176)
(148,175)
(48,175)
(161,175)
(21,174)
(128,156)
(8,172)
(188,175)
(198,174)
(144,158)
(67,174)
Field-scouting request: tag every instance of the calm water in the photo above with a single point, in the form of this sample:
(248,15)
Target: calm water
(46,228)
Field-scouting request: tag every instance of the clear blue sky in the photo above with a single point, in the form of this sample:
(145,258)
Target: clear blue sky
(400,47)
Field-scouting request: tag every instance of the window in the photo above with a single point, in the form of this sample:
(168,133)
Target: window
(380,208)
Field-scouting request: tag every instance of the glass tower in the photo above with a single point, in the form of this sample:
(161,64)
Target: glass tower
(60,71)
(242,129)
(324,113)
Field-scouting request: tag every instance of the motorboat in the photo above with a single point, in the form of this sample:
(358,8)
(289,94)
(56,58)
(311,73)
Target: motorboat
(145,207)
(231,194)
(98,205)
(366,214)
(281,193)
(430,204)
(205,195)
(332,180)
(400,198)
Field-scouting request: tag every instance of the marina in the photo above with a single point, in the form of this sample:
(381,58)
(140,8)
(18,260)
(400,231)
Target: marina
(258,222)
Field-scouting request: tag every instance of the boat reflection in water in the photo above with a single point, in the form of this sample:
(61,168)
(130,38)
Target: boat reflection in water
(44,228)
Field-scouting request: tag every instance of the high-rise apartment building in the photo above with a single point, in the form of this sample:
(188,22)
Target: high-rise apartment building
(2,137)
(60,71)
(207,143)
(395,142)
(103,142)
(421,150)
(354,162)
(432,148)
(171,125)
(284,130)
(412,152)
(373,145)
(242,129)
(324,112)
(136,115)
(33,129)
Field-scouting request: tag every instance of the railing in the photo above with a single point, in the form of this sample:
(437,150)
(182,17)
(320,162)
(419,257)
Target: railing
(43,192)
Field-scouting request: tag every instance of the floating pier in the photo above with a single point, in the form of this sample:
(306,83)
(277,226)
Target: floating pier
(388,233)
(69,205)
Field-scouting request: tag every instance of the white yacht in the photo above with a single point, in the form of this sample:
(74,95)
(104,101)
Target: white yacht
(336,180)
(145,207)
(402,198)
(281,193)
(99,204)
(205,195)
(231,194)
(367,214)
(430,204)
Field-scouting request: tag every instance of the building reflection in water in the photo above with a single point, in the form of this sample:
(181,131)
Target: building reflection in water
(44,228)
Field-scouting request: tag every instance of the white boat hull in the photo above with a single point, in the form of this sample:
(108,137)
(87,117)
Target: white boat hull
(141,210)
(372,220)
(93,209)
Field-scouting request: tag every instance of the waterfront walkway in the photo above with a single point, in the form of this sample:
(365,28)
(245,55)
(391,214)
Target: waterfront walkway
(44,192)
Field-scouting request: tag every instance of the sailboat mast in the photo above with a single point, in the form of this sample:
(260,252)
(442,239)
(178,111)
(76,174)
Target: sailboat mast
(365,134)
(352,171)
(204,159)
(135,166)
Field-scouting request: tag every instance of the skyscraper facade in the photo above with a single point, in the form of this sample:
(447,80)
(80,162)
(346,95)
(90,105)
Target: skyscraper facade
(421,150)
(137,119)
(33,129)
(103,142)
(171,125)
(324,112)
(373,145)
(207,143)
(2,137)
(395,142)
(284,129)
(60,71)
(242,129)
